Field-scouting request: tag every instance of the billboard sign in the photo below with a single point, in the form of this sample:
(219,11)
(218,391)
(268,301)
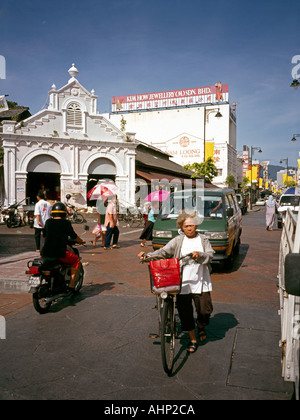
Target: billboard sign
(215,94)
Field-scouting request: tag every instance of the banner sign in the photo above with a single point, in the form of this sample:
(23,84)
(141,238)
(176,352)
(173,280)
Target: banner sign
(215,94)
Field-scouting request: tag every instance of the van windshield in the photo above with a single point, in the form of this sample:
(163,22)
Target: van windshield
(290,200)
(206,206)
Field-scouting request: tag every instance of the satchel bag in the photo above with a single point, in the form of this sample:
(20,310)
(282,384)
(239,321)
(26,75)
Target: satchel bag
(165,275)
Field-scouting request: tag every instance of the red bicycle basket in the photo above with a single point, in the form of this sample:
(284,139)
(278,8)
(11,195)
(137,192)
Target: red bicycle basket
(165,272)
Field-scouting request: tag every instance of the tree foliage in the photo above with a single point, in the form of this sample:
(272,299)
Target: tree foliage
(206,170)
(230,181)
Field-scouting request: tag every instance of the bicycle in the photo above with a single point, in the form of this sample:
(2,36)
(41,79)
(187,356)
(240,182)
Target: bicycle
(73,215)
(166,306)
(133,219)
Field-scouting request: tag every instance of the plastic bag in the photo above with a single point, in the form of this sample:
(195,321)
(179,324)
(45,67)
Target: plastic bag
(165,273)
(97,231)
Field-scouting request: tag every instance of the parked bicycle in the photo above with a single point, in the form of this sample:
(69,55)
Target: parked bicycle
(73,215)
(134,219)
(165,283)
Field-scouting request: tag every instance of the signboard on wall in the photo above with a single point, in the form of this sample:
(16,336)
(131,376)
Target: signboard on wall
(215,94)
(185,149)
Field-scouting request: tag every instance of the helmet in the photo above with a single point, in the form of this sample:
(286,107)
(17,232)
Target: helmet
(68,196)
(59,209)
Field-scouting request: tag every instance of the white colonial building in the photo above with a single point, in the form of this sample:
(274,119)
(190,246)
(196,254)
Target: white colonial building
(67,147)
(189,124)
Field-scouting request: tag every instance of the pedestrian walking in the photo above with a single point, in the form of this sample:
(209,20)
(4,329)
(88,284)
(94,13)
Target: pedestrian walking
(42,212)
(148,229)
(196,281)
(111,223)
(271,206)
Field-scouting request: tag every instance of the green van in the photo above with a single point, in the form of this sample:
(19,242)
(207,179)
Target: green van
(221,220)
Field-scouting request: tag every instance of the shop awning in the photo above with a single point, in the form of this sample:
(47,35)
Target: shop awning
(156,175)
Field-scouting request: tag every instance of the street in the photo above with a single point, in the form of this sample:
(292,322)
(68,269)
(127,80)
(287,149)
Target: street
(98,345)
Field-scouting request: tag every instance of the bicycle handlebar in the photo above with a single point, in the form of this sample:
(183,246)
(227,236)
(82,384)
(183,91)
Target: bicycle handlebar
(147,259)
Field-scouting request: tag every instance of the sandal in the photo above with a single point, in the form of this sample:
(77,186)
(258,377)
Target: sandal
(202,334)
(142,244)
(116,246)
(106,248)
(192,347)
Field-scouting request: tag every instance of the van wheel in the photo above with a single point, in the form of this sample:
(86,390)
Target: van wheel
(237,247)
(228,263)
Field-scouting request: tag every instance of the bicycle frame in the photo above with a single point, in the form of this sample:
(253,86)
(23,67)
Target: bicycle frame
(166,306)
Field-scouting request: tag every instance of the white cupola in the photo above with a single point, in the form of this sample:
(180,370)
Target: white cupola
(73,73)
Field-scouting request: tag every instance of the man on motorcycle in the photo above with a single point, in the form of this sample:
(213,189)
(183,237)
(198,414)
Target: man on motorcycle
(56,233)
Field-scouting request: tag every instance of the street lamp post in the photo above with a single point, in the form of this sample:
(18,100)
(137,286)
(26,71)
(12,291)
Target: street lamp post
(294,137)
(206,115)
(295,83)
(251,154)
(287,164)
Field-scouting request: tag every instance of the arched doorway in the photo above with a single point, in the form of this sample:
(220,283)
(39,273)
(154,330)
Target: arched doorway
(101,169)
(43,169)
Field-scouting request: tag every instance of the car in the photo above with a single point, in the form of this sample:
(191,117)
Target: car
(221,220)
(260,202)
(287,201)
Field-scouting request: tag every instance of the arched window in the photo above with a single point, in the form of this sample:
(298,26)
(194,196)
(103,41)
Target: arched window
(74,115)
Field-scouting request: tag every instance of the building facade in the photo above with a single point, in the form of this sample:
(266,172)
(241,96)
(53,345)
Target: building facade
(67,147)
(184,124)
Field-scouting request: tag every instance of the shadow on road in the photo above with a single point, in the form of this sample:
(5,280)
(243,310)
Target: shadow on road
(85,293)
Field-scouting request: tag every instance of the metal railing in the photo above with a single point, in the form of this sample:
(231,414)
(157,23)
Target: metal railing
(289,304)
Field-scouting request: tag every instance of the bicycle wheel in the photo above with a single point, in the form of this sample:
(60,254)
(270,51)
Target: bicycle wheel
(134,222)
(168,335)
(78,218)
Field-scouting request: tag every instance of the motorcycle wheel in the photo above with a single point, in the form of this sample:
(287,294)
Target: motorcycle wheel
(78,218)
(8,223)
(39,303)
(79,282)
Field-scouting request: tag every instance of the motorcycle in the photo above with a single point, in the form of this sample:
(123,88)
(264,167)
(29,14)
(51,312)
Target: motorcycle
(49,280)
(28,218)
(12,216)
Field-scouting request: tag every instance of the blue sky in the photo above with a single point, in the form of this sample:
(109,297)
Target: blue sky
(125,47)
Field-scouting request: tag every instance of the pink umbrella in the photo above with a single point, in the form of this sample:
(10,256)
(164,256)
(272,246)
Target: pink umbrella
(104,190)
(160,195)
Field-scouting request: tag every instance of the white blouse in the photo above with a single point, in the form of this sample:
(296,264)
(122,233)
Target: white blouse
(195,277)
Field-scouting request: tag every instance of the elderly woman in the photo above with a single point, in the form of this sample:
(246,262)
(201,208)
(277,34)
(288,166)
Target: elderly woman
(196,282)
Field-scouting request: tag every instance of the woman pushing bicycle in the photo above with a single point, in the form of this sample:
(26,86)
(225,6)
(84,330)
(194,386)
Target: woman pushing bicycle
(196,281)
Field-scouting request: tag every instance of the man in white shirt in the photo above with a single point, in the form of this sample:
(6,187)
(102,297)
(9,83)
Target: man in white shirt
(42,212)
